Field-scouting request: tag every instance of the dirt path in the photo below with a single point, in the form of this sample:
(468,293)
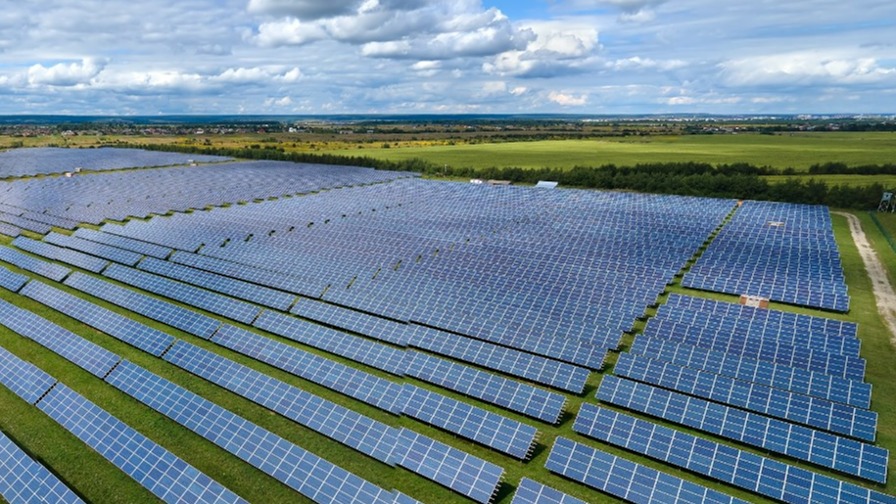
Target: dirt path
(883,291)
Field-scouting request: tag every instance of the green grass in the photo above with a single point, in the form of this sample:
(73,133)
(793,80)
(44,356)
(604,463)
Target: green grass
(798,150)
(888,181)
(98,481)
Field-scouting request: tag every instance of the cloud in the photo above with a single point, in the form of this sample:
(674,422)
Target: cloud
(639,63)
(65,74)
(556,48)
(288,32)
(303,9)
(278,102)
(805,68)
(567,100)
(257,75)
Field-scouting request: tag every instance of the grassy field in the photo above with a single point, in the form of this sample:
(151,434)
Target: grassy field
(799,151)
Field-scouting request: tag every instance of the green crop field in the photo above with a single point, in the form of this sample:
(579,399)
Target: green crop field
(798,150)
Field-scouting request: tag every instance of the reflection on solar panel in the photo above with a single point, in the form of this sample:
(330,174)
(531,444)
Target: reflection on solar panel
(533,492)
(23,481)
(797,380)
(491,429)
(93,248)
(812,411)
(118,326)
(352,382)
(742,469)
(264,296)
(136,246)
(513,395)
(93,358)
(295,467)
(842,454)
(25,379)
(84,261)
(50,270)
(193,296)
(362,433)
(626,479)
(11,281)
(457,470)
(388,359)
(156,309)
(538,369)
(157,469)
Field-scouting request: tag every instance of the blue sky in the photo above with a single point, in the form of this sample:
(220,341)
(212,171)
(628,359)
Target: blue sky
(447,56)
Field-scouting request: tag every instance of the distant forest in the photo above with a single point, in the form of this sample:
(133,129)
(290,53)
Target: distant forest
(741,181)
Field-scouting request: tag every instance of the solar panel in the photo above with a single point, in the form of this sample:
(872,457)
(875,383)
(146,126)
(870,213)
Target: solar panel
(490,429)
(352,429)
(23,480)
(11,281)
(351,347)
(301,470)
(93,248)
(347,380)
(467,475)
(743,469)
(50,270)
(190,321)
(123,242)
(821,448)
(532,492)
(532,367)
(118,326)
(193,296)
(91,357)
(625,479)
(84,261)
(264,296)
(9,230)
(158,470)
(511,394)
(812,411)
(797,380)
(370,325)
(24,223)
(25,379)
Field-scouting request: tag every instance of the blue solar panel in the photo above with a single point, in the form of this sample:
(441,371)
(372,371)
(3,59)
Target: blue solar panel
(533,492)
(93,358)
(24,223)
(513,395)
(532,367)
(369,325)
(352,382)
(812,411)
(797,380)
(824,449)
(24,481)
(156,309)
(25,379)
(93,248)
(50,270)
(118,326)
(355,348)
(45,160)
(301,470)
(9,230)
(357,431)
(465,474)
(193,296)
(491,429)
(737,467)
(11,281)
(158,470)
(84,261)
(122,242)
(626,479)
(264,296)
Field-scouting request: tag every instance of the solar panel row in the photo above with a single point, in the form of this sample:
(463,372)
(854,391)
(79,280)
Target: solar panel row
(532,492)
(811,411)
(9,230)
(50,270)
(75,258)
(743,469)
(46,160)
(511,394)
(11,281)
(19,222)
(122,242)
(109,252)
(23,480)
(824,449)
(625,479)
(797,380)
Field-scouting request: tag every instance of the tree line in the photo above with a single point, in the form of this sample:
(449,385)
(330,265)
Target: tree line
(740,180)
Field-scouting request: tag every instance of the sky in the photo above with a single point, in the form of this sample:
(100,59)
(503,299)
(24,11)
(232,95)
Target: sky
(111,57)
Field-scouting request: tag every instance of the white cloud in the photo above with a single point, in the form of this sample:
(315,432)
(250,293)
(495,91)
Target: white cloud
(286,32)
(637,62)
(557,48)
(805,68)
(65,74)
(278,102)
(519,90)
(303,9)
(567,100)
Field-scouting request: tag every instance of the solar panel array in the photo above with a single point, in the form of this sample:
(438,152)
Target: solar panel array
(781,251)
(23,480)
(47,160)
